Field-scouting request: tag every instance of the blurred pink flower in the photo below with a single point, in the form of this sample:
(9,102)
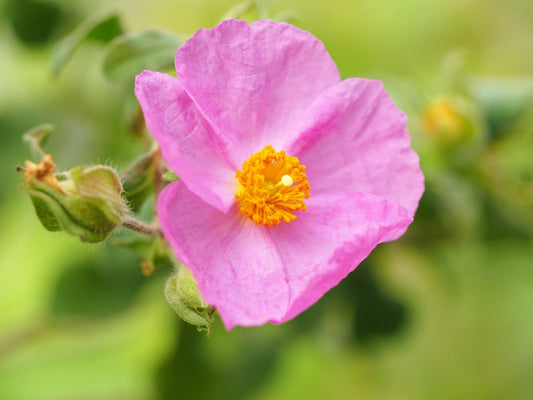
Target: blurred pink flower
(289,176)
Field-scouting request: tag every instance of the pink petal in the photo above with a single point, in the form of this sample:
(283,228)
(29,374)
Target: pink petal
(254,82)
(330,239)
(237,267)
(254,274)
(188,143)
(353,138)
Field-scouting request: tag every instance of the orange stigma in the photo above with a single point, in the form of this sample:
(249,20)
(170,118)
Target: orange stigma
(272,186)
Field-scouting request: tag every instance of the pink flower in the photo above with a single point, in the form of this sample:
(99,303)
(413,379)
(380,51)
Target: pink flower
(289,176)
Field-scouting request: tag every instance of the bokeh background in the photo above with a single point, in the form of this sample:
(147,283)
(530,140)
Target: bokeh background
(446,312)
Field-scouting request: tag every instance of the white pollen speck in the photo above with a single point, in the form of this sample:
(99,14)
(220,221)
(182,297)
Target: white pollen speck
(286,180)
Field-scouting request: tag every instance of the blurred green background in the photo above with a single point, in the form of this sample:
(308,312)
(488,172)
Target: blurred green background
(443,313)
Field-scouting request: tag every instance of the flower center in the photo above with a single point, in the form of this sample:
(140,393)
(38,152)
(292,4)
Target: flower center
(272,187)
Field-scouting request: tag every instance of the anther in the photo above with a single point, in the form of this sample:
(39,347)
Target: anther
(273,186)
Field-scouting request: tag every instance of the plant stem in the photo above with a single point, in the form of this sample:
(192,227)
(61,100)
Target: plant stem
(138,226)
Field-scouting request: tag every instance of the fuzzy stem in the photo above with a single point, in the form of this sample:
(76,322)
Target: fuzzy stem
(138,226)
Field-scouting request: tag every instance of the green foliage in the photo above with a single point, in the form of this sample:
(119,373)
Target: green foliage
(503,101)
(99,29)
(97,284)
(34,22)
(128,55)
(153,250)
(36,138)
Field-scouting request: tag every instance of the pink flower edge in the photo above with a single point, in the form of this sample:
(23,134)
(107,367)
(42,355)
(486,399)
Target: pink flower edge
(255,274)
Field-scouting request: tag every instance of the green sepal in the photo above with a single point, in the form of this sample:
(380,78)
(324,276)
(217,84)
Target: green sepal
(90,208)
(181,291)
(130,54)
(138,181)
(170,176)
(45,211)
(55,217)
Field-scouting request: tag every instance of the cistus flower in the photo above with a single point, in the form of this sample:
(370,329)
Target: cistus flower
(289,176)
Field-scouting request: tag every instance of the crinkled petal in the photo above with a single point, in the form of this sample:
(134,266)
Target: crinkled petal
(237,267)
(330,239)
(254,81)
(188,143)
(353,138)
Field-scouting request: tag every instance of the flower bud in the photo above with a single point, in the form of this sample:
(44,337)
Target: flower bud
(181,291)
(447,120)
(86,203)
(454,133)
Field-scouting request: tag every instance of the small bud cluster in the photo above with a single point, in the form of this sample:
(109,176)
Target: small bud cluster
(86,202)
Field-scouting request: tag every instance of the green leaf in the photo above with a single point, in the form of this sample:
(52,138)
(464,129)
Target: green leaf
(503,102)
(36,138)
(130,54)
(101,29)
(34,22)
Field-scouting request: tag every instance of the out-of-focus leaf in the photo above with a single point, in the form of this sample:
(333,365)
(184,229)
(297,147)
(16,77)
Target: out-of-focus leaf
(101,284)
(36,138)
(507,171)
(287,16)
(238,10)
(154,250)
(503,102)
(151,49)
(262,11)
(34,22)
(248,10)
(102,29)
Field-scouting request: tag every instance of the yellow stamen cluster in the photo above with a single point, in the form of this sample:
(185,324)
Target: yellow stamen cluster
(272,186)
